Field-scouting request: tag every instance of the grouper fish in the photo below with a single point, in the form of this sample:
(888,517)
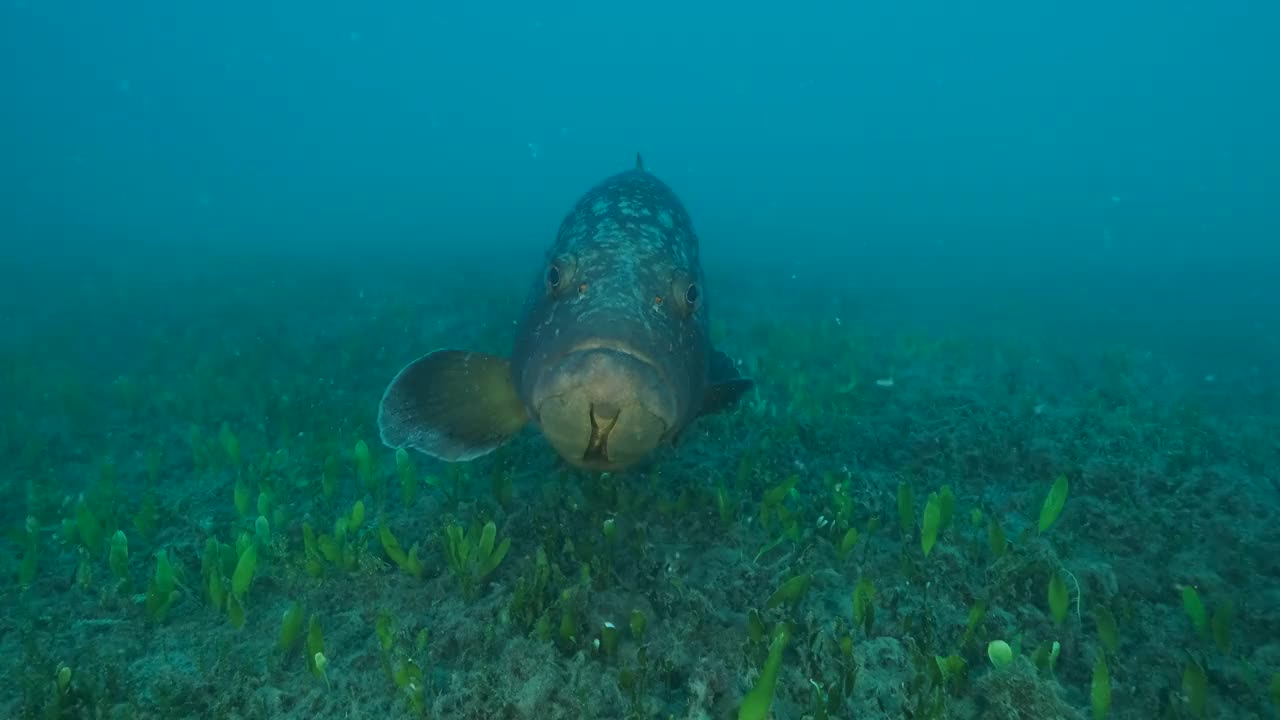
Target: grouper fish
(612,357)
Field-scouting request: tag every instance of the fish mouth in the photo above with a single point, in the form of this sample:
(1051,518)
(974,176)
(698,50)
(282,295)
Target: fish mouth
(603,405)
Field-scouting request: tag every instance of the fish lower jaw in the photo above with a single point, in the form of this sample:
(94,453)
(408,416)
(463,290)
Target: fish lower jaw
(603,408)
(604,438)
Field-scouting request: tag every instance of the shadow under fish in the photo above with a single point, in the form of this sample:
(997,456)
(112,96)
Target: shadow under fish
(612,357)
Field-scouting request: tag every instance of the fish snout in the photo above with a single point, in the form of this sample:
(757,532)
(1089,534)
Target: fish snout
(604,408)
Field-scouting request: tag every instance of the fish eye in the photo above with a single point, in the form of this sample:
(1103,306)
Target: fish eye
(685,294)
(560,274)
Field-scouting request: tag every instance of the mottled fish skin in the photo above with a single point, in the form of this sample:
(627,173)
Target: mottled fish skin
(626,256)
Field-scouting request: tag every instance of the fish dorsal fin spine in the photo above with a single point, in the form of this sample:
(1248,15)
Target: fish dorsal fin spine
(639,163)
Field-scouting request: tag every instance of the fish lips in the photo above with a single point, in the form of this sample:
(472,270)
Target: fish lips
(604,406)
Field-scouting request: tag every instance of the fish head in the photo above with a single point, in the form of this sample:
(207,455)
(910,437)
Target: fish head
(613,346)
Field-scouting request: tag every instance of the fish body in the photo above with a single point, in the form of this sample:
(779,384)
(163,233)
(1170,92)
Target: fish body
(612,357)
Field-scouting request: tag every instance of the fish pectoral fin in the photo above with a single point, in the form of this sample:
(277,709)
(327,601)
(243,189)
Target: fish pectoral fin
(721,396)
(722,367)
(453,405)
(725,385)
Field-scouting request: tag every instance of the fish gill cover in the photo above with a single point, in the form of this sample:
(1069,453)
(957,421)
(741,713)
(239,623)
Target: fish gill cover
(963,404)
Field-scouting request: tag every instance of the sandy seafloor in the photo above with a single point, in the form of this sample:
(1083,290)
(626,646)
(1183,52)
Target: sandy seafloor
(114,396)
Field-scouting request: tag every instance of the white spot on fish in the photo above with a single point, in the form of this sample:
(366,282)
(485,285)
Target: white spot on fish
(664,217)
(600,206)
